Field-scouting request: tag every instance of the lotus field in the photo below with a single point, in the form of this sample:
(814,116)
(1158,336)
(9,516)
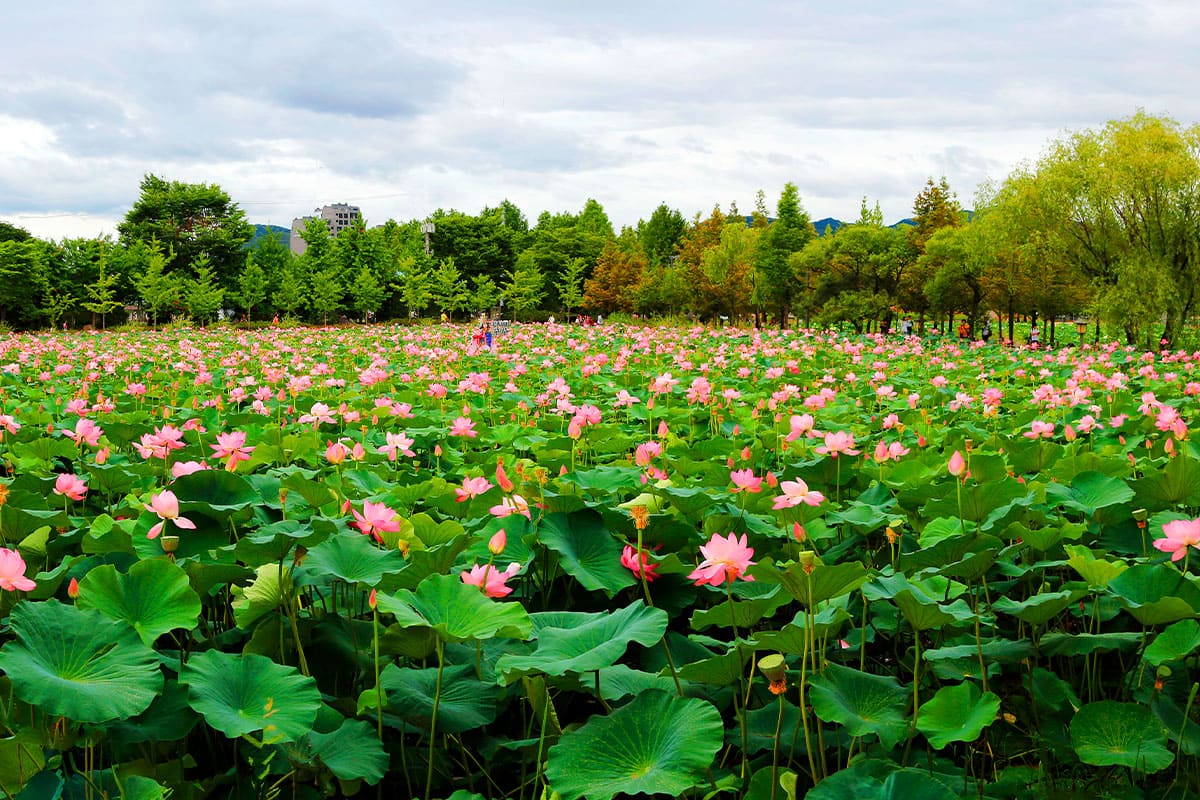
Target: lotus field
(595,562)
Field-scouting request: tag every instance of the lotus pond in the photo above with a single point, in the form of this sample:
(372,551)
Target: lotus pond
(595,562)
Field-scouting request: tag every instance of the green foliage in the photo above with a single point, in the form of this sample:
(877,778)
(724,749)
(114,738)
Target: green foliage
(190,220)
(252,285)
(525,289)
(202,294)
(325,293)
(79,664)
(158,290)
(367,292)
(657,744)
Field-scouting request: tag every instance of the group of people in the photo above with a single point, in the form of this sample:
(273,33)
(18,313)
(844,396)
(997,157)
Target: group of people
(482,337)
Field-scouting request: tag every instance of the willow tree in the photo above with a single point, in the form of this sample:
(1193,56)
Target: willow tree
(1122,205)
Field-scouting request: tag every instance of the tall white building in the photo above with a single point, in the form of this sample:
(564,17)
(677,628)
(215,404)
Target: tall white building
(338,216)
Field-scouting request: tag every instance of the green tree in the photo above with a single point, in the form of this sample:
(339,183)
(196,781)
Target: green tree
(291,296)
(190,219)
(367,292)
(660,234)
(486,293)
(23,274)
(101,295)
(448,289)
(1121,207)
(13,233)
(727,271)
(56,303)
(325,296)
(525,290)
(570,284)
(157,289)
(777,286)
(252,285)
(202,294)
(482,245)
(273,255)
(415,285)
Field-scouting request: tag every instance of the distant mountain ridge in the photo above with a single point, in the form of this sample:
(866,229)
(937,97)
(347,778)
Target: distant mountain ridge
(265,230)
(831,225)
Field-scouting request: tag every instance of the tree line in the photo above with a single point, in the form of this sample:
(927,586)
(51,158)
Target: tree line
(1105,223)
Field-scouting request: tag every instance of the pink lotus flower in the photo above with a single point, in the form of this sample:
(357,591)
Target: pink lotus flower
(801,425)
(397,444)
(646,452)
(336,452)
(744,480)
(724,560)
(463,426)
(489,579)
(375,519)
(1039,430)
(71,486)
(166,505)
(232,446)
(838,443)
(797,493)
(958,465)
(9,423)
(638,563)
(12,572)
(317,415)
(86,432)
(1178,536)
(471,488)
(514,504)
(502,479)
(624,398)
(181,468)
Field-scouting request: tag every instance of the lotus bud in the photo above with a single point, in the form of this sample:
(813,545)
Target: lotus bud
(498,542)
(958,465)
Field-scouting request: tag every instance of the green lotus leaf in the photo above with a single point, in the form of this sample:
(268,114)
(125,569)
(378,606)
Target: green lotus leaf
(1001,650)
(1096,571)
(861,702)
(824,582)
(791,637)
(352,557)
(465,703)
(244,694)
(657,744)
(1089,492)
(744,612)
(215,492)
(1078,644)
(1174,642)
(21,757)
(1177,482)
(1156,594)
(582,642)
(352,752)
(957,714)
(79,664)
(455,611)
(272,584)
(1109,733)
(586,550)
(154,596)
(1040,608)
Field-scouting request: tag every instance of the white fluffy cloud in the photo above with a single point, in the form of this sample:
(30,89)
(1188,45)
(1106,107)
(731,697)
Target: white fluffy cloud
(403,108)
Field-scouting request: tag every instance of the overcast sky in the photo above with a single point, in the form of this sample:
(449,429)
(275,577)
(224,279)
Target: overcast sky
(403,108)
